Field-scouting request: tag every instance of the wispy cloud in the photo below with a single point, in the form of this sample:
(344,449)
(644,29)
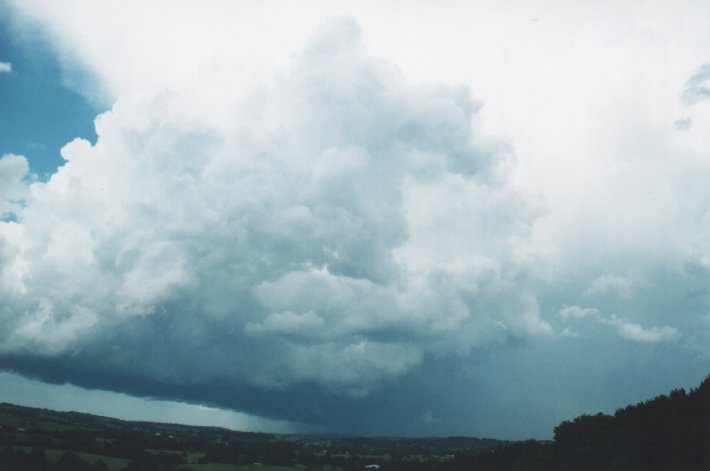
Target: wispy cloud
(610,284)
(697,87)
(623,327)
(577,312)
(14,169)
(683,124)
(5,67)
(636,333)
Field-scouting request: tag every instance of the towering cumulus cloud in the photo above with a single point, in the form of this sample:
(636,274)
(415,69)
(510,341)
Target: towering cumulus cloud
(293,248)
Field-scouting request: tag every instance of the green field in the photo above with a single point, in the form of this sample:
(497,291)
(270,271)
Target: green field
(117,464)
(113,463)
(234,467)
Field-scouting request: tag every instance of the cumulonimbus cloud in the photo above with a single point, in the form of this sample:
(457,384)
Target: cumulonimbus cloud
(342,245)
(297,243)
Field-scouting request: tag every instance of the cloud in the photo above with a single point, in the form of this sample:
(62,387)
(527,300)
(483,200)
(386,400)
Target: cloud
(567,332)
(623,327)
(14,169)
(428,417)
(5,67)
(342,243)
(697,88)
(636,333)
(288,323)
(610,284)
(683,124)
(576,312)
(296,245)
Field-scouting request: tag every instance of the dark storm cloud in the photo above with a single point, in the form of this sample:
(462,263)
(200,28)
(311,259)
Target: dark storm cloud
(289,264)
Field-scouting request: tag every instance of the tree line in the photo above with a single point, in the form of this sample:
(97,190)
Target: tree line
(668,432)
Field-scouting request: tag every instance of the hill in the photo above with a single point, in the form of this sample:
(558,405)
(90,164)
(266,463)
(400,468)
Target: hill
(42,439)
(668,432)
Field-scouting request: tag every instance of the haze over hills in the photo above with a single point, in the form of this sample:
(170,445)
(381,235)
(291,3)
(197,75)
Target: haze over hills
(669,432)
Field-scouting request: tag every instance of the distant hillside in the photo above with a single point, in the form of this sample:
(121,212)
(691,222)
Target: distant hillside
(667,433)
(30,417)
(41,439)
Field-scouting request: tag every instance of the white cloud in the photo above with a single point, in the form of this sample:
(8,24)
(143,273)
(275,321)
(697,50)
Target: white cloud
(637,333)
(307,227)
(567,332)
(289,323)
(576,312)
(610,284)
(14,169)
(5,67)
(622,326)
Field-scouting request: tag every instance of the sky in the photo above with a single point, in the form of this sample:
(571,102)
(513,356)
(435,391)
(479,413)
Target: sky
(383,218)
(39,112)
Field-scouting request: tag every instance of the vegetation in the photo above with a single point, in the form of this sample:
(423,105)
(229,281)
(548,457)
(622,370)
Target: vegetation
(666,433)
(41,439)
(669,432)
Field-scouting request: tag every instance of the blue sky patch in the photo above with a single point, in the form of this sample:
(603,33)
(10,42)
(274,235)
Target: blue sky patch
(38,114)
